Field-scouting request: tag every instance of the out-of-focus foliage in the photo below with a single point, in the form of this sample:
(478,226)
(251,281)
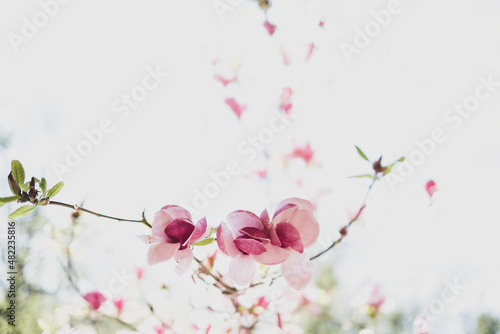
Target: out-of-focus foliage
(486,324)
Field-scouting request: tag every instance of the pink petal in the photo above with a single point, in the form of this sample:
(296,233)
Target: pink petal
(270,28)
(273,255)
(303,204)
(310,49)
(118,304)
(241,219)
(264,217)
(180,230)
(286,96)
(256,233)
(237,108)
(161,252)
(225,241)
(199,230)
(223,80)
(184,258)
(95,299)
(283,208)
(242,269)
(249,246)
(297,271)
(289,237)
(431,187)
(307,226)
(165,216)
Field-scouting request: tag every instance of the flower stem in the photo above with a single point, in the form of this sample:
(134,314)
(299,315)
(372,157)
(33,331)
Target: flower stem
(79,208)
(346,227)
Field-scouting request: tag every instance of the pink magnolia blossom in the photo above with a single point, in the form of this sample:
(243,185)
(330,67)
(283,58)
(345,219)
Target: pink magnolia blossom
(172,233)
(249,239)
(286,96)
(223,80)
(95,299)
(160,329)
(118,302)
(431,187)
(237,108)
(270,28)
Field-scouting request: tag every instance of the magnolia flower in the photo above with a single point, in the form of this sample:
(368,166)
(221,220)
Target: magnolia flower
(95,299)
(223,80)
(303,152)
(249,239)
(172,233)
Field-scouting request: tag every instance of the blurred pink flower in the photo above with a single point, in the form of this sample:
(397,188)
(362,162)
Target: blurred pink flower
(118,302)
(223,80)
(286,96)
(160,329)
(237,108)
(95,299)
(270,28)
(139,272)
(310,49)
(172,233)
(286,57)
(376,300)
(431,187)
(303,152)
(249,239)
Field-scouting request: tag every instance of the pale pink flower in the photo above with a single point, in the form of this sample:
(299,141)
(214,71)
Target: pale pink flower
(160,329)
(270,28)
(286,97)
(249,239)
(95,299)
(237,108)
(172,233)
(431,187)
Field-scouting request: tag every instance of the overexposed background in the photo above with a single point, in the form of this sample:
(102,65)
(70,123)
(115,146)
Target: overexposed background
(393,93)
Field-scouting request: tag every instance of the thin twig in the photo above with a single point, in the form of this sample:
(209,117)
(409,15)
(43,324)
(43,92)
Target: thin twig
(79,208)
(346,227)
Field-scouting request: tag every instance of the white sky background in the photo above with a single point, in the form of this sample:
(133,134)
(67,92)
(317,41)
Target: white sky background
(393,93)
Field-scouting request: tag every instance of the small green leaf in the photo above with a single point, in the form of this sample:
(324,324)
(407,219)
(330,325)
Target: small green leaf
(22,211)
(204,242)
(26,186)
(5,200)
(401,159)
(55,189)
(14,186)
(364,175)
(17,171)
(43,186)
(361,154)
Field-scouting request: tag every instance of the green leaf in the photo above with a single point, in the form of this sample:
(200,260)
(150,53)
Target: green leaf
(22,211)
(17,171)
(388,169)
(5,200)
(401,159)
(43,186)
(364,175)
(14,186)
(204,242)
(26,186)
(361,154)
(55,189)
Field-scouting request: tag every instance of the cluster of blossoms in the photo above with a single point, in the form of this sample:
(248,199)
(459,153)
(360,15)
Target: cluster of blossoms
(245,237)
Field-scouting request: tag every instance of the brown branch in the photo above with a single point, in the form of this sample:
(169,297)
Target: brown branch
(343,230)
(79,208)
